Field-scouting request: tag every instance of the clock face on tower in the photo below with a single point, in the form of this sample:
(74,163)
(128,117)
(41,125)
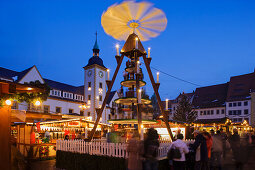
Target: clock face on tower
(89,73)
(101,74)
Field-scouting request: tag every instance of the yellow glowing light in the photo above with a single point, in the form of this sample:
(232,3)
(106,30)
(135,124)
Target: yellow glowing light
(89,88)
(117,45)
(142,126)
(8,102)
(29,88)
(136,39)
(108,70)
(37,103)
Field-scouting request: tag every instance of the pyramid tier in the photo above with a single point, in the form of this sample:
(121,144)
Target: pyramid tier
(131,83)
(130,100)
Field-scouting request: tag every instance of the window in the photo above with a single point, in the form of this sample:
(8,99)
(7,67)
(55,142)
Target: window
(246,111)
(89,84)
(218,112)
(245,103)
(70,110)
(239,112)
(201,112)
(222,111)
(230,112)
(212,112)
(88,113)
(82,112)
(64,94)
(234,112)
(89,97)
(15,105)
(234,104)
(46,109)
(208,112)
(109,117)
(100,85)
(100,98)
(230,104)
(58,109)
(240,119)
(239,104)
(56,93)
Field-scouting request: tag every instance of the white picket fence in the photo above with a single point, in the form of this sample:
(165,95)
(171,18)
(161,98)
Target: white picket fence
(104,148)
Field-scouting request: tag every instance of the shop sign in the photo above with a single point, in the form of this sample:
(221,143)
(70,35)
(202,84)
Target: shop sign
(74,124)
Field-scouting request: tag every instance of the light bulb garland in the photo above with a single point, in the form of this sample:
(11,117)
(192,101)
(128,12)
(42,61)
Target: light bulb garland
(28,97)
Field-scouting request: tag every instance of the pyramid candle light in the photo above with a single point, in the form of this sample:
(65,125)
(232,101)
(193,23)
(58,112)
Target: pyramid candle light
(149,52)
(157,77)
(117,49)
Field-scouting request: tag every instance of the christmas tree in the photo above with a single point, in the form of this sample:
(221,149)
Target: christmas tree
(184,111)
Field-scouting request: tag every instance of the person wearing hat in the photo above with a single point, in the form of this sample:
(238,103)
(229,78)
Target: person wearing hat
(201,151)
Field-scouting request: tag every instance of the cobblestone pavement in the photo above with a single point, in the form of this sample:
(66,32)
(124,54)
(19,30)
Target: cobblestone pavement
(44,165)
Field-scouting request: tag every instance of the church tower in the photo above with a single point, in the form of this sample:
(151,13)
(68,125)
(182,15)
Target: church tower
(95,84)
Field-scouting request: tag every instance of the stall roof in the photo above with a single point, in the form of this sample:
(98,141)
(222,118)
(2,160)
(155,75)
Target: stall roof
(131,121)
(211,121)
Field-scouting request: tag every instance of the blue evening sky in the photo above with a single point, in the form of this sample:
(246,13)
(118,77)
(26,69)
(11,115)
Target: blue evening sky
(205,42)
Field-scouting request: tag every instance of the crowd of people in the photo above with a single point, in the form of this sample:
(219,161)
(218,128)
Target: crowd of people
(207,152)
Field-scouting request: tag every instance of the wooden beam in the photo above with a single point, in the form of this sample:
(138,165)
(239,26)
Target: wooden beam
(119,60)
(155,88)
(5,133)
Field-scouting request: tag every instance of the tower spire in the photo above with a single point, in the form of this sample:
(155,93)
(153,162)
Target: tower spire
(96,48)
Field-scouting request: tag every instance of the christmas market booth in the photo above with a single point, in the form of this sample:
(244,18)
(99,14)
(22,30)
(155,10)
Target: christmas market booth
(224,123)
(38,140)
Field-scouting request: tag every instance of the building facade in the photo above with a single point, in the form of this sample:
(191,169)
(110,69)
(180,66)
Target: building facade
(65,98)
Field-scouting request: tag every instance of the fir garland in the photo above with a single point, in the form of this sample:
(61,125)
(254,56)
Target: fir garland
(28,97)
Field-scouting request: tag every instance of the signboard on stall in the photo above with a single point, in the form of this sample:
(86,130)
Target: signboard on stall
(74,124)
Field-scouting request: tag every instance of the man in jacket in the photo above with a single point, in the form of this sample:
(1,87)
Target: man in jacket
(201,151)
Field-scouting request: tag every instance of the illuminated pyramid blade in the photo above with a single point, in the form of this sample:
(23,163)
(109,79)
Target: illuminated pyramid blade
(129,46)
(121,20)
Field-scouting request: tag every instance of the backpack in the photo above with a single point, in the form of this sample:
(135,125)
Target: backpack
(174,153)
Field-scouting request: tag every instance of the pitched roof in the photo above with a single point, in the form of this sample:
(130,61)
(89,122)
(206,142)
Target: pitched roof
(241,86)
(65,87)
(10,74)
(7,74)
(210,96)
(111,96)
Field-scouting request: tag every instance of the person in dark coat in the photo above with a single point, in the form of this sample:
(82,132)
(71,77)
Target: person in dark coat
(236,148)
(151,145)
(201,151)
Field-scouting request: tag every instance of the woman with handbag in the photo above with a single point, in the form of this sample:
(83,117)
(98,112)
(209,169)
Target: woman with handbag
(177,152)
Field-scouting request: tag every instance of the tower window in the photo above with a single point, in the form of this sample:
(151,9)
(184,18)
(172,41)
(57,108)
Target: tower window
(89,84)
(100,85)
(88,113)
(89,97)
(100,98)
